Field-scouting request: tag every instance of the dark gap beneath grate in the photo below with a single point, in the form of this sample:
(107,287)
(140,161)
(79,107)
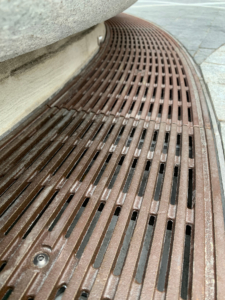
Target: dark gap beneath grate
(150,110)
(186,264)
(108,133)
(107,238)
(160,111)
(162,93)
(11,203)
(171,94)
(89,231)
(178,145)
(188,97)
(2,266)
(154,140)
(165,258)
(131,108)
(190,147)
(60,292)
(190,201)
(23,212)
(143,259)
(144,179)
(130,138)
(114,104)
(179,95)
(179,113)
(159,183)
(83,296)
(97,132)
(56,170)
(102,169)
(77,217)
(77,162)
(115,174)
(189,114)
(124,103)
(40,215)
(170,112)
(87,130)
(89,167)
(166,143)
(142,139)
(60,213)
(173,197)
(126,242)
(7,294)
(130,176)
(119,135)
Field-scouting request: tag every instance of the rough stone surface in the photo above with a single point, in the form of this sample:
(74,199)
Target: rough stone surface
(29,80)
(27,25)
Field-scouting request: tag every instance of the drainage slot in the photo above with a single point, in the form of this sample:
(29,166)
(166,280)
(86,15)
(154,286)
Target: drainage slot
(188,97)
(3,264)
(190,147)
(63,161)
(159,183)
(84,296)
(77,162)
(114,104)
(186,263)
(189,114)
(77,217)
(141,142)
(14,223)
(60,212)
(170,112)
(174,191)
(146,92)
(166,142)
(119,135)
(102,169)
(150,110)
(162,93)
(144,179)
(7,294)
(143,260)
(179,113)
(86,130)
(130,176)
(154,140)
(141,108)
(60,292)
(126,242)
(179,95)
(171,94)
(178,145)
(190,202)
(15,199)
(154,92)
(111,184)
(160,111)
(89,231)
(99,129)
(131,108)
(130,138)
(107,238)
(40,215)
(163,273)
(130,89)
(89,166)
(124,103)
(108,134)
(156,79)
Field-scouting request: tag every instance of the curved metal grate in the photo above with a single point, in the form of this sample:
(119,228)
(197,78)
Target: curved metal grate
(111,191)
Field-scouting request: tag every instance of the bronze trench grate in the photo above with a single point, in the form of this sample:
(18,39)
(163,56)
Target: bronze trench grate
(111,190)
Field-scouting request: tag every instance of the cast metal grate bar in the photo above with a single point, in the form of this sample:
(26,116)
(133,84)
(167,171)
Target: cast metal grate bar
(111,190)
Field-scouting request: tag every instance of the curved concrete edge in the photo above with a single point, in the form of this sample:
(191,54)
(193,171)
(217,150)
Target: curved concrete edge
(212,114)
(27,83)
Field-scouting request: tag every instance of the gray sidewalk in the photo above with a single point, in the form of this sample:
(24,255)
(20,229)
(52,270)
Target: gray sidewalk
(200,26)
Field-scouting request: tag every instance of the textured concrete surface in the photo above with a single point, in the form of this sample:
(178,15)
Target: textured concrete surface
(200,26)
(28,81)
(27,25)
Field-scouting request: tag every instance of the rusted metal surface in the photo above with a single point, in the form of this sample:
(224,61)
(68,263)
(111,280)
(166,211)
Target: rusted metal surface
(111,190)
